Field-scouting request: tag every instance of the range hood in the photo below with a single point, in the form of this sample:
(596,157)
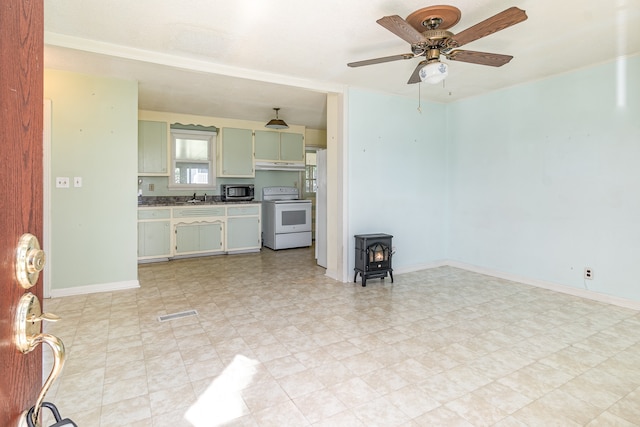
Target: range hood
(279,166)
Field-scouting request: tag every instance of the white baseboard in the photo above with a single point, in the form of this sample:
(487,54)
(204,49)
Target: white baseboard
(333,274)
(92,289)
(583,293)
(418,267)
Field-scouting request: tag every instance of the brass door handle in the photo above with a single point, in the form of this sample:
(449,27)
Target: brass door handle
(27,336)
(27,323)
(49,317)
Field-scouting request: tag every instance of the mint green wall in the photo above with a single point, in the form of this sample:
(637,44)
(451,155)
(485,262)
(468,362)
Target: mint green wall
(396,174)
(543,179)
(94,136)
(536,181)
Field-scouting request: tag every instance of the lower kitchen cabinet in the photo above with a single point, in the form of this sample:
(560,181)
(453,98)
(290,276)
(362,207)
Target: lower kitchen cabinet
(243,228)
(198,237)
(243,233)
(154,239)
(154,233)
(198,230)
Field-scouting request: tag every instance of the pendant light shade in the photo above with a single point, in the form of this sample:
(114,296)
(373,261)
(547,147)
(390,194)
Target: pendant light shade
(276,123)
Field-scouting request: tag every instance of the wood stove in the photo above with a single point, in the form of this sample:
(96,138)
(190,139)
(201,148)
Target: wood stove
(373,257)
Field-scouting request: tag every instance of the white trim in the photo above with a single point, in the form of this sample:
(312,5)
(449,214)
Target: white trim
(419,267)
(583,293)
(127,52)
(211,161)
(92,289)
(46,195)
(344,228)
(333,274)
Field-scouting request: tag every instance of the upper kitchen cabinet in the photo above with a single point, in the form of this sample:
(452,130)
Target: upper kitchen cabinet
(292,147)
(267,145)
(279,147)
(235,158)
(152,148)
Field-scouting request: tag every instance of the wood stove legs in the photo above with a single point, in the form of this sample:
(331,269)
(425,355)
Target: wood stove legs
(372,275)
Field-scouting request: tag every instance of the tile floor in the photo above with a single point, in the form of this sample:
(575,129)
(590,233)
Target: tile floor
(276,343)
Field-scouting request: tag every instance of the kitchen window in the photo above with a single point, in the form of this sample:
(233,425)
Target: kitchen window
(192,159)
(310,172)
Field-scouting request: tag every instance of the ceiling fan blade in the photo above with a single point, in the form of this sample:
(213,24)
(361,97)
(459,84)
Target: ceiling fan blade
(498,22)
(381,60)
(401,28)
(482,58)
(415,77)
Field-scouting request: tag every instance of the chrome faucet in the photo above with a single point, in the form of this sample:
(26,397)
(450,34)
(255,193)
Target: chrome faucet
(195,199)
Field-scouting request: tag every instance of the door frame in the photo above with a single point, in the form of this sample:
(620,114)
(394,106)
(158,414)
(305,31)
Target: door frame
(46,195)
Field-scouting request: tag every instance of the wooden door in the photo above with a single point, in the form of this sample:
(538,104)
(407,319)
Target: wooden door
(21,92)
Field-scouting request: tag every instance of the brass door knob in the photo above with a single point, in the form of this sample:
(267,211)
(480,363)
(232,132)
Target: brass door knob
(30,260)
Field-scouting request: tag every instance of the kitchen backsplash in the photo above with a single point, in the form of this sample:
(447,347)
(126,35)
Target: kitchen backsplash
(157,186)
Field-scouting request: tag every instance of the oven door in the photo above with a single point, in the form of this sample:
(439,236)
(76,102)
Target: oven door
(292,217)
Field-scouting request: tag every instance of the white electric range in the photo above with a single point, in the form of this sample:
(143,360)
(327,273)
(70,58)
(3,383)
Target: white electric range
(286,219)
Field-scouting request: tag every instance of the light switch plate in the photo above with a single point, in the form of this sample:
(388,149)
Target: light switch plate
(77,181)
(62,182)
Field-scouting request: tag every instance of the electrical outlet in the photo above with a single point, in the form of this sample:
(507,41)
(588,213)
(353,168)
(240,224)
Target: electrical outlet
(588,273)
(62,182)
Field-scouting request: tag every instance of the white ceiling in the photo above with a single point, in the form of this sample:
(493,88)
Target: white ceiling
(240,58)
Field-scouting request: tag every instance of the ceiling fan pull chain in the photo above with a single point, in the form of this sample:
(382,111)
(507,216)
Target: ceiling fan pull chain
(419,99)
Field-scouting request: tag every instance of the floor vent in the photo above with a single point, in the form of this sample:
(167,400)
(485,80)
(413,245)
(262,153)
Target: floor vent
(179,315)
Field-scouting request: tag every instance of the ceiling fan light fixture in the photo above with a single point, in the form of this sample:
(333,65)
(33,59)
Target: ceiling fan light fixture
(276,123)
(434,72)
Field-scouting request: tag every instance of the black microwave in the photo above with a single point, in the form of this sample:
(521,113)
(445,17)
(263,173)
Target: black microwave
(236,192)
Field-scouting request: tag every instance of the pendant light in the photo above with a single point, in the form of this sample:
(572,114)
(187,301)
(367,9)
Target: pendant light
(276,123)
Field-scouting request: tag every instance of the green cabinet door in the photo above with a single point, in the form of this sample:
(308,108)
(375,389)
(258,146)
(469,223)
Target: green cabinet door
(187,239)
(291,147)
(267,145)
(279,146)
(236,153)
(243,233)
(211,237)
(198,237)
(154,239)
(152,147)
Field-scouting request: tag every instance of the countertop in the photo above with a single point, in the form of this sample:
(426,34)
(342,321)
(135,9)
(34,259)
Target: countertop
(154,201)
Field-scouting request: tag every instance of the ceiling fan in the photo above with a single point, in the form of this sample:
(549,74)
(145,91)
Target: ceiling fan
(426,31)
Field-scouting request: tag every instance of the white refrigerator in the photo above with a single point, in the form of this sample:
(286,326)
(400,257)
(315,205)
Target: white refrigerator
(321,208)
